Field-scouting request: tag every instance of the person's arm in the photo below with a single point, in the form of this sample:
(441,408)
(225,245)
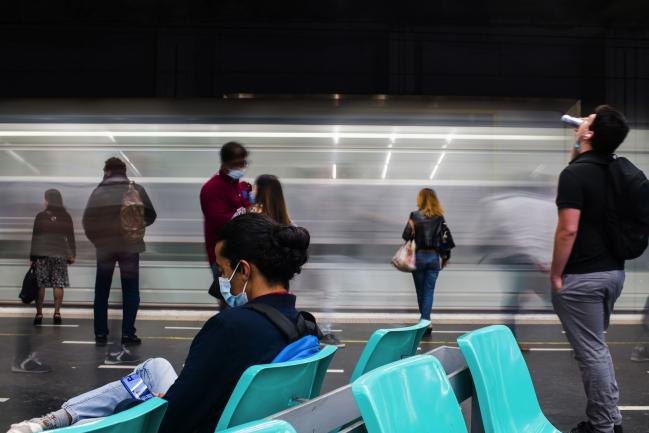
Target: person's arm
(90,217)
(36,232)
(214,206)
(149,212)
(569,202)
(408,232)
(205,381)
(72,245)
(564,240)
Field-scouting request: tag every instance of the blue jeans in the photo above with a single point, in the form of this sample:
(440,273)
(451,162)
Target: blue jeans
(129,271)
(156,373)
(425,276)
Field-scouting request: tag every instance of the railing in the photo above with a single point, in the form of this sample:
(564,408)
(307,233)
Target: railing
(337,409)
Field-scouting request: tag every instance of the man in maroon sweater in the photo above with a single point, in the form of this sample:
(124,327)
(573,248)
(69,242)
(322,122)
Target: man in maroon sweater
(223,196)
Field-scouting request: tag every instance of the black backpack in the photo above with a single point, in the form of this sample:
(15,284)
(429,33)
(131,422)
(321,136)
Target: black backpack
(306,324)
(627,209)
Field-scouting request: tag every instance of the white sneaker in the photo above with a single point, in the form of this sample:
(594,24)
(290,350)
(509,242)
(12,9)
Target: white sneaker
(26,427)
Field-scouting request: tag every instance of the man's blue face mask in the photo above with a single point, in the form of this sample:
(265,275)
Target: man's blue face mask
(225,286)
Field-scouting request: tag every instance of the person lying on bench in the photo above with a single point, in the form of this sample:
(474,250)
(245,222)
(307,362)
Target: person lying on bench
(257,257)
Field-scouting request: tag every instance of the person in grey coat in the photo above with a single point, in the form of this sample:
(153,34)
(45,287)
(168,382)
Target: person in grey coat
(114,220)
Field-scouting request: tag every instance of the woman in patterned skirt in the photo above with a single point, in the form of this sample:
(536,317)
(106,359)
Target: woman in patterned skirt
(53,248)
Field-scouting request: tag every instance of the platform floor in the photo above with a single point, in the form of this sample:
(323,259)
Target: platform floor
(78,365)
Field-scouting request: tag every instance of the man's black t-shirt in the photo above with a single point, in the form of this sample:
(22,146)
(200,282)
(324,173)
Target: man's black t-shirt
(582,185)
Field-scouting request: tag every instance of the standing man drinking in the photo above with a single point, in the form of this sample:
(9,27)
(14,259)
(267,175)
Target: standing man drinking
(115,219)
(223,196)
(587,275)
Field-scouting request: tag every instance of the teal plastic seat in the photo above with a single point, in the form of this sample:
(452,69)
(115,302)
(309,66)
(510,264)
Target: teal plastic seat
(143,418)
(275,426)
(389,345)
(266,389)
(408,396)
(508,402)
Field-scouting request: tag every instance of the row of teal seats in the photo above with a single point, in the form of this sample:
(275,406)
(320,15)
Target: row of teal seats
(414,395)
(266,389)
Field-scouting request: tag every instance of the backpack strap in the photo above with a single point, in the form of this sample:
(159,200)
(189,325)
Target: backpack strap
(282,322)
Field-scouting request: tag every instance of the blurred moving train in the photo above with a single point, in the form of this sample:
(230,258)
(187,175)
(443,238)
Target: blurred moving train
(351,168)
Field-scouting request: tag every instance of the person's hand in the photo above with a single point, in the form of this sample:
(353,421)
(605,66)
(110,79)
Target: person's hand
(158,394)
(557,283)
(444,263)
(70,260)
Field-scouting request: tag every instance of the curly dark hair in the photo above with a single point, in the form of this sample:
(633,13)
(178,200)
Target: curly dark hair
(277,250)
(115,165)
(610,128)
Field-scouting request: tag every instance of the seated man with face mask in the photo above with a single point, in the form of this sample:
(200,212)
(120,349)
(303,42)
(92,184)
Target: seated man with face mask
(258,258)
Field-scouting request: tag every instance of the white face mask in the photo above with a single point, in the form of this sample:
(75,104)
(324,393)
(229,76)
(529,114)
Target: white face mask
(225,286)
(237,174)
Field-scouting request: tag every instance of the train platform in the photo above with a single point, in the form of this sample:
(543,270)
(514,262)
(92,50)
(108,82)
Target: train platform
(76,364)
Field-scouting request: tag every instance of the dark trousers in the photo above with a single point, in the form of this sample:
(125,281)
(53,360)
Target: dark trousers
(129,271)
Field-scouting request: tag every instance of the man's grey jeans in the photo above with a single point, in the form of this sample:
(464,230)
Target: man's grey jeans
(584,306)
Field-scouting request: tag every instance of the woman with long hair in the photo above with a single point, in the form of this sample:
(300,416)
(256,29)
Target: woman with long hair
(268,197)
(53,249)
(425,226)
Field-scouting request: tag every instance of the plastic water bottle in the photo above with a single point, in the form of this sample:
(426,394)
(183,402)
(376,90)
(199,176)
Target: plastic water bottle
(572,121)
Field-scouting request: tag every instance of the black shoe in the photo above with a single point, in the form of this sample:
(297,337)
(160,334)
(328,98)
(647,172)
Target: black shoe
(131,340)
(38,320)
(428,332)
(583,427)
(618,429)
(57,319)
(101,339)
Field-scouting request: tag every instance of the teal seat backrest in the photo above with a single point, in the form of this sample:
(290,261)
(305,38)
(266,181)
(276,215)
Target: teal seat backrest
(389,345)
(143,418)
(275,426)
(408,396)
(503,383)
(266,389)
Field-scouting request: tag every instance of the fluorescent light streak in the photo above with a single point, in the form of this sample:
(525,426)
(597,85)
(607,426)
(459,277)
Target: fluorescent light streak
(432,175)
(253,134)
(387,158)
(22,160)
(133,167)
(393,138)
(439,161)
(449,138)
(333,171)
(384,173)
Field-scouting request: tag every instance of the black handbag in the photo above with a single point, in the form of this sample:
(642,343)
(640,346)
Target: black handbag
(29,291)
